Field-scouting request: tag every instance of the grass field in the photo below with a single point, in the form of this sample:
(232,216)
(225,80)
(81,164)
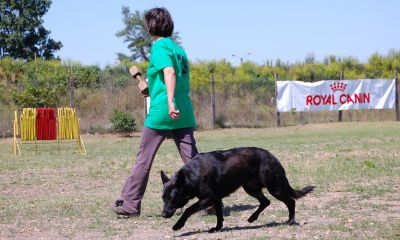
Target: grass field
(355,166)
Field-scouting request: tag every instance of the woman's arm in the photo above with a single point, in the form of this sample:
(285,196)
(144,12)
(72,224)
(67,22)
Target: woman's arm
(170,83)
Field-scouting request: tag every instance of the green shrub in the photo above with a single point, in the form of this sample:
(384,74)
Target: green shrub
(97,128)
(36,97)
(122,122)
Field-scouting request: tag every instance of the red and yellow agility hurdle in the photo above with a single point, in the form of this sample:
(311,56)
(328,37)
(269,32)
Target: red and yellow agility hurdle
(47,124)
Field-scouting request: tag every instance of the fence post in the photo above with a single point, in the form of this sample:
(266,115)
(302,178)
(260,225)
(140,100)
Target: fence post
(278,114)
(396,79)
(341,77)
(72,80)
(212,97)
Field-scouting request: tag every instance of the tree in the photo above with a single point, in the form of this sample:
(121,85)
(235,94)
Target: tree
(136,35)
(22,35)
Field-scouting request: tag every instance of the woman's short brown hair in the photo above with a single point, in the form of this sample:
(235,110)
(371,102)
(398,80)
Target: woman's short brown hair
(159,22)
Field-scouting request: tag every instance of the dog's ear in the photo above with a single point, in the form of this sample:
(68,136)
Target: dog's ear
(180,179)
(164,177)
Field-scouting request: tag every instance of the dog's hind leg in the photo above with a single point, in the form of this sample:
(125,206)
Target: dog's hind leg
(255,191)
(220,216)
(279,191)
(291,205)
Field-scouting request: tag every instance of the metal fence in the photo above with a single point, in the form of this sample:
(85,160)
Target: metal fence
(225,104)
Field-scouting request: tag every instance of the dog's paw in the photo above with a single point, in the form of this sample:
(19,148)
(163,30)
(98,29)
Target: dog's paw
(214,229)
(252,218)
(292,223)
(178,226)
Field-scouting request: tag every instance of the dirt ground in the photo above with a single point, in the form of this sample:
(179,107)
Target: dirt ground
(68,196)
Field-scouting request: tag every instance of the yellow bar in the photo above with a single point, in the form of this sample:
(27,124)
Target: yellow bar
(14,143)
(16,123)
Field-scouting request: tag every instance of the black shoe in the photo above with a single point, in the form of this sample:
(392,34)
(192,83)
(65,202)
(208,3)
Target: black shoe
(119,202)
(119,211)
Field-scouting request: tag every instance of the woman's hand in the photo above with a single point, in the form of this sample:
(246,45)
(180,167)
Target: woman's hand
(173,113)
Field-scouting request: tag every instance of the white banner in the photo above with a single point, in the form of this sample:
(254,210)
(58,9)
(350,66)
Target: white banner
(335,95)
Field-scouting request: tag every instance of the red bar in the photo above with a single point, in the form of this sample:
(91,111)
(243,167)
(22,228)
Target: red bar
(46,124)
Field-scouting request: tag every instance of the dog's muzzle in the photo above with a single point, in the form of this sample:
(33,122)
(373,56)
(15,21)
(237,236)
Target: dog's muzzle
(167,214)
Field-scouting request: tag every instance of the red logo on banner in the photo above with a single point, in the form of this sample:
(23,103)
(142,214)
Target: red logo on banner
(338,87)
(334,99)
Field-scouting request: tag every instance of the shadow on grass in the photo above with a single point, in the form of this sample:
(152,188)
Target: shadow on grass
(237,208)
(227,210)
(237,228)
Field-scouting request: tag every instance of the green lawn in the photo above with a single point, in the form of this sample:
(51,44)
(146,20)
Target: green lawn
(355,166)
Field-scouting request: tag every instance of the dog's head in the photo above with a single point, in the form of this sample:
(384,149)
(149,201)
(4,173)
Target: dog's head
(175,194)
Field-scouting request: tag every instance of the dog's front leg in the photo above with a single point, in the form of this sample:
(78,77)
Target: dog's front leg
(220,216)
(199,205)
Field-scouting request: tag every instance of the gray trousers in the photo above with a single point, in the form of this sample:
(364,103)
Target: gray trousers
(135,185)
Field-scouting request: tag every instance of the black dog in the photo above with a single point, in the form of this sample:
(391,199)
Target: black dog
(214,175)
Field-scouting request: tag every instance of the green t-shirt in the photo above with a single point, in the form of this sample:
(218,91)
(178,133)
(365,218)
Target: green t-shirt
(166,53)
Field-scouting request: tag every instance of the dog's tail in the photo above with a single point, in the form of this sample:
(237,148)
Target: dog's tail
(296,194)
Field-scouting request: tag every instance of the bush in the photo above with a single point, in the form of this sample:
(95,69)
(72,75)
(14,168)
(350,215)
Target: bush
(97,128)
(36,97)
(122,122)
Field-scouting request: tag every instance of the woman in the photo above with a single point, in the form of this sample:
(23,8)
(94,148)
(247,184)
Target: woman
(170,113)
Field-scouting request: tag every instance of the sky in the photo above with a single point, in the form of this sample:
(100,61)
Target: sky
(254,30)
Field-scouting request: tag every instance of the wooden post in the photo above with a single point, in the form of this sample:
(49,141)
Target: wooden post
(212,97)
(396,79)
(341,77)
(278,114)
(72,80)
